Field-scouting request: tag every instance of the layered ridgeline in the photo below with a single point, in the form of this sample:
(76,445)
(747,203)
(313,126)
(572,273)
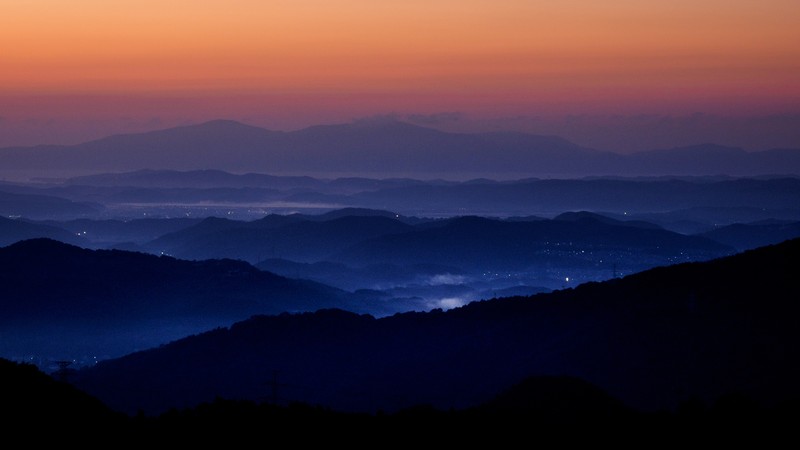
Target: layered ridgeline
(653,340)
(394,263)
(355,248)
(684,204)
(365,236)
(64,302)
(384,148)
(35,204)
(12,230)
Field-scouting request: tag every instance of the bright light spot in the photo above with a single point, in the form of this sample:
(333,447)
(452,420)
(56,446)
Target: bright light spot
(567,279)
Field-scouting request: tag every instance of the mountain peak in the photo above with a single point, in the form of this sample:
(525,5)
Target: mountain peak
(221,122)
(220,126)
(226,124)
(39,244)
(188,134)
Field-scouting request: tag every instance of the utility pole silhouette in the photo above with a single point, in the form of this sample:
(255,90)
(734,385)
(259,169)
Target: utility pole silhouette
(274,386)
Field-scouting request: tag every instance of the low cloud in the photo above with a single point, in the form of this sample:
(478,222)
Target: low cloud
(446,279)
(449,303)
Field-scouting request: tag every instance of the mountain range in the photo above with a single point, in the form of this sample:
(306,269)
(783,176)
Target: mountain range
(383,149)
(385,267)
(425,262)
(653,340)
(684,204)
(412,261)
(64,302)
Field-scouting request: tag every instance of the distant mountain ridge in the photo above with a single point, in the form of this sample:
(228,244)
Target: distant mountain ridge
(385,148)
(579,245)
(12,231)
(688,205)
(37,206)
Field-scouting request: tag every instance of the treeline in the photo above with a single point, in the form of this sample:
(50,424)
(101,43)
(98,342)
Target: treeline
(33,400)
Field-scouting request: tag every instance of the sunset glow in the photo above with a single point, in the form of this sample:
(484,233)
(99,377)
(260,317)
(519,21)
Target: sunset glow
(285,64)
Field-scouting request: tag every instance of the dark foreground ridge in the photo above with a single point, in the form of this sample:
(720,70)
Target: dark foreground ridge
(542,407)
(654,340)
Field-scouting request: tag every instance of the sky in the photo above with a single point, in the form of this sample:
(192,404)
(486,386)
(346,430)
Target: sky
(619,75)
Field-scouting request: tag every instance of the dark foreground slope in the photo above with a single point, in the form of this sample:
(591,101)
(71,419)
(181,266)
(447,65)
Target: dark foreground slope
(50,412)
(653,340)
(32,400)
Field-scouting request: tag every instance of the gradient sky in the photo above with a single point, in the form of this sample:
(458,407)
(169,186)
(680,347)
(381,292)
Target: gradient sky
(615,74)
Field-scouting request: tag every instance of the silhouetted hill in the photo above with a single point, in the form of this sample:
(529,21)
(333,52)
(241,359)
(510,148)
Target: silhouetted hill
(751,235)
(365,212)
(353,278)
(653,340)
(391,249)
(34,206)
(554,196)
(703,202)
(700,219)
(104,232)
(476,243)
(211,144)
(33,399)
(563,408)
(366,147)
(13,230)
(559,399)
(64,301)
(207,179)
(396,147)
(575,216)
(293,237)
(192,179)
(712,159)
(385,148)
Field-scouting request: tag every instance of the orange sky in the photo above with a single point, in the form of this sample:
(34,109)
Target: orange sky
(338,59)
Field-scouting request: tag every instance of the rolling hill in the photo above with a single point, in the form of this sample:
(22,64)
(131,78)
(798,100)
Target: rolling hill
(652,340)
(65,302)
